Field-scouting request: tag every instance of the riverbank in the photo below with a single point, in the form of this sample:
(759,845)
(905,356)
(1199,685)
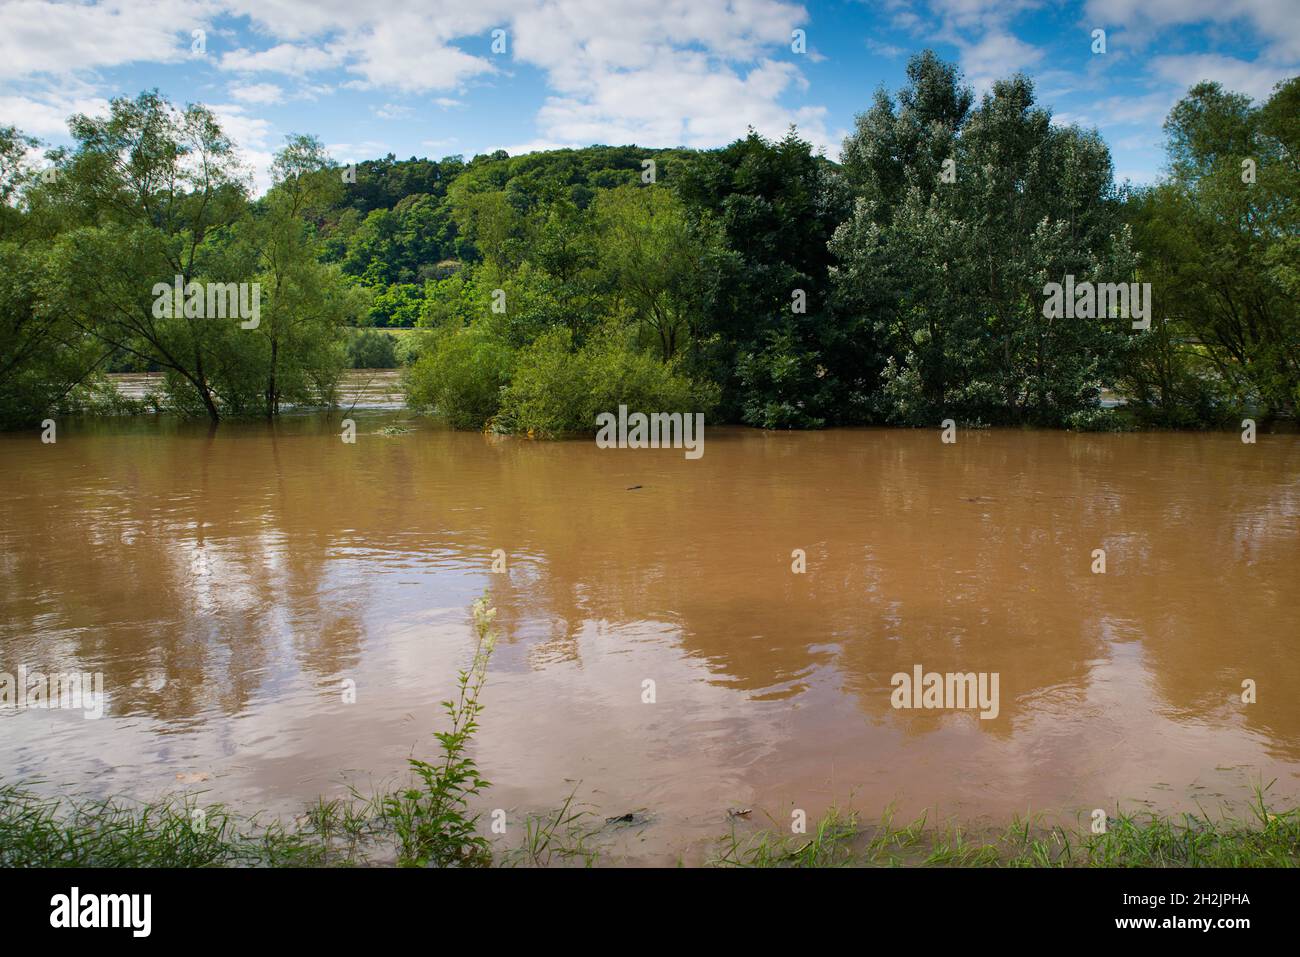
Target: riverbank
(141,393)
(38,831)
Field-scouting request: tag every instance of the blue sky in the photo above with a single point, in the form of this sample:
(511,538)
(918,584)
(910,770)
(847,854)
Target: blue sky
(420,77)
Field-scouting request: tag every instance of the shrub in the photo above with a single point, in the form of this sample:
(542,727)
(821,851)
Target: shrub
(372,349)
(548,394)
(407,349)
(461,378)
(558,391)
(780,384)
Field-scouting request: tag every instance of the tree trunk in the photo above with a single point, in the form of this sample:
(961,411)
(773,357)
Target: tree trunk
(272,400)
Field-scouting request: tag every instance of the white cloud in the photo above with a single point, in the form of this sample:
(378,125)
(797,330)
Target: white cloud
(248,130)
(981,14)
(1148,142)
(1238,76)
(253,141)
(994,57)
(682,100)
(45,114)
(398,45)
(1276,22)
(356,152)
(667,74)
(674,71)
(395,60)
(62,38)
(1148,109)
(979,29)
(885,49)
(285,58)
(256,92)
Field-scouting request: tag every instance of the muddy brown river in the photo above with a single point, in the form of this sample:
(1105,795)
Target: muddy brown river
(228,585)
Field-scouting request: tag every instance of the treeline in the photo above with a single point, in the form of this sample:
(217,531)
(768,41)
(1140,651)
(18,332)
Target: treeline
(760,282)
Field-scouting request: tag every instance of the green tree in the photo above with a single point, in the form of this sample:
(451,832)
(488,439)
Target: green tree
(151,186)
(1222,238)
(954,237)
(307,303)
(770,320)
(657,261)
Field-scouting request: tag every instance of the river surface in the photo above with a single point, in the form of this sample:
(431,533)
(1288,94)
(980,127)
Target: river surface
(229,584)
(358,389)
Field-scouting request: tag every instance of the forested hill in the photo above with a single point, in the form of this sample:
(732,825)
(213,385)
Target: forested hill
(397,224)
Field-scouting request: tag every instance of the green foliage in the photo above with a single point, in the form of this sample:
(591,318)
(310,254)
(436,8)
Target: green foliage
(402,245)
(842,839)
(149,193)
(657,261)
(807,294)
(548,394)
(952,273)
(409,347)
(461,377)
(1221,253)
(779,382)
(372,349)
(398,306)
(43,356)
(557,390)
(778,205)
(48,832)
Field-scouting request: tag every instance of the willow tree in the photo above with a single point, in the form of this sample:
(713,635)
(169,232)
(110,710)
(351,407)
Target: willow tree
(150,185)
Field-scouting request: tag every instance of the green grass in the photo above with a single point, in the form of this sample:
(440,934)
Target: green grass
(38,831)
(839,839)
(562,837)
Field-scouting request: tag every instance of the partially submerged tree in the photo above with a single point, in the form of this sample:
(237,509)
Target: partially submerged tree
(153,185)
(958,226)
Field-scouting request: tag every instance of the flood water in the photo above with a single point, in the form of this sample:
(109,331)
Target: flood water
(228,584)
(359,388)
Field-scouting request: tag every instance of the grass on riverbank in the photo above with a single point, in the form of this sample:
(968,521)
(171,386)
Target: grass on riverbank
(38,831)
(1264,839)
